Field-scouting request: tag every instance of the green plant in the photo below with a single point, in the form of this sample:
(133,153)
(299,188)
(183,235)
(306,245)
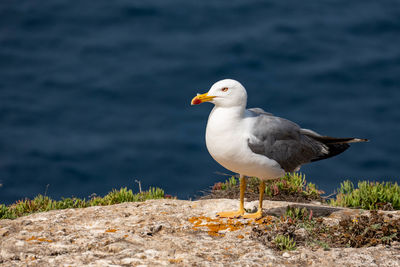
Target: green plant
(125,195)
(284,242)
(368,195)
(5,212)
(44,203)
(231,182)
(228,184)
(325,246)
(291,187)
(298,214)
(292,183)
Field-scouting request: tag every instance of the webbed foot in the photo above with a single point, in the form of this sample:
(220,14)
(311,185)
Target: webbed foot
(257,215)
(230,214)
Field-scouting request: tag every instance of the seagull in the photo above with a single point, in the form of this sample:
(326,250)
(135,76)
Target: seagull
(255,143)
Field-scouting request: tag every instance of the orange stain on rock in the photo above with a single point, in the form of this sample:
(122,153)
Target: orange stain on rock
(34,238)
(175,261)
(214,226)
(111,230)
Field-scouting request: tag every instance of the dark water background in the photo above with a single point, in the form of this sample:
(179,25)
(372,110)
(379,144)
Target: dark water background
(96,94)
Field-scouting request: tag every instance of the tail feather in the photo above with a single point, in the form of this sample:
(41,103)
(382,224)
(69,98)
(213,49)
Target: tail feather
(334,145)
(333,140)
(333,150)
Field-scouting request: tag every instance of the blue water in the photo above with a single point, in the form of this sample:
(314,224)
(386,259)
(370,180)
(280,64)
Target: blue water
(96,94)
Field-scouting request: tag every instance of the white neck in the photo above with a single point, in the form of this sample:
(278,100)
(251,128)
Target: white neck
(224,119)
(236,112)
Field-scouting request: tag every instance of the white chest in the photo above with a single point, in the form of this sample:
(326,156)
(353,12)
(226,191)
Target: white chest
(224,143)
(226,138)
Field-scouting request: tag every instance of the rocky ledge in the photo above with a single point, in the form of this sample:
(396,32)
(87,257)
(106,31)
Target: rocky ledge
(169,232)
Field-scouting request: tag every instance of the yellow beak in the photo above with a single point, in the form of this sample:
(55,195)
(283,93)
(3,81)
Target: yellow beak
(201,99)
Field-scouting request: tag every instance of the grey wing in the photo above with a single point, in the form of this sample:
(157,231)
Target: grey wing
(258,111)
(282,140)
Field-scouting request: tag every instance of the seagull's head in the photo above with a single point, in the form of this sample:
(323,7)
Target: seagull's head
(224,93)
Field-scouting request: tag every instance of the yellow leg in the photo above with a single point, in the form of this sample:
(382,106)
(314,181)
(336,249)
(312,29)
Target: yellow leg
(258,214)
(240,212)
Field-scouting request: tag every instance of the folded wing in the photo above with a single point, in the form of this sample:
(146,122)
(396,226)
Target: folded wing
(289,145)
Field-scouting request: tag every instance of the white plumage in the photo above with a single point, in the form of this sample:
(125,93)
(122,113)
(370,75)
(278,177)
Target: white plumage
(252,142)
(228,129)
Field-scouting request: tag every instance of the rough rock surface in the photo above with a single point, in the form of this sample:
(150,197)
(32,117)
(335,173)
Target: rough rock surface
(165,232)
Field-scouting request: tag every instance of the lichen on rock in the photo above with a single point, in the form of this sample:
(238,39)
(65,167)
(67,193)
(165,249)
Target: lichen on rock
(168,232)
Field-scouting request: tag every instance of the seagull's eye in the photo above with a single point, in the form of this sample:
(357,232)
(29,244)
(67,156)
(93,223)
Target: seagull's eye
(224,89)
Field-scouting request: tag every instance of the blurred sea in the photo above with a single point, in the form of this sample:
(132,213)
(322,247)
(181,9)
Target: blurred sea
(96,94)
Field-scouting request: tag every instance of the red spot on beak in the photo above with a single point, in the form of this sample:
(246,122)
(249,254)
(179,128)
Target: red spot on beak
(196,101)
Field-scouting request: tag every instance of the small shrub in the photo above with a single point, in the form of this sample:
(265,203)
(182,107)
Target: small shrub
(292,184)
(228,184)
(298,229)
(284,242)
(368,195)
(366,231)
(291,187)
(297,214)
(5,212)
(43,203)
